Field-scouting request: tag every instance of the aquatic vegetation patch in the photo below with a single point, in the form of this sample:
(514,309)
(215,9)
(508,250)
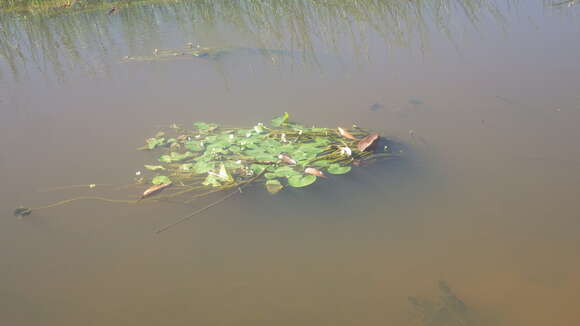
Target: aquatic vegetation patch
(283,153)
(195,161)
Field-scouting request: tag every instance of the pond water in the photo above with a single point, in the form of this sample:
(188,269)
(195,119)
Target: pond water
(484,95)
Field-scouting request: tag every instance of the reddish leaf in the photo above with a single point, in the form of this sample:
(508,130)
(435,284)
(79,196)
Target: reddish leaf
(287,159)
(345,134)
(314,172)
(368,142)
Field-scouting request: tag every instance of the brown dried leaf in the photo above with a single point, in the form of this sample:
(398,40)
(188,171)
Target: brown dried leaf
(368,142)
(287,159)
(315,172)
(154,189)
(345,134)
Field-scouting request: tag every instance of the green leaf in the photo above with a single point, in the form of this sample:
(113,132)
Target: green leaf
(186,167)
(235,149)
(259,128)
(264,157)
(311,148)
(201,167)
(194,145)
(338,169)
(299,181)
(270,175)
(212,180)
(277,122)
(273,186)
(217,147)
(285,171)
(176,157)
(322,163)
(224,175)
(257,168)
(295,126)
(153,143)
(205,127)
(243,132)
(165,158)
(160,179)
(154,167)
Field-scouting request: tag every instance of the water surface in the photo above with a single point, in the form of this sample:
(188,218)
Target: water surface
(484,94)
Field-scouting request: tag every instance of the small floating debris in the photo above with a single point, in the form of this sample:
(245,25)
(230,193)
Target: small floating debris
(212,53)
(376,107)
(22,211)
(415,101)
(155,189)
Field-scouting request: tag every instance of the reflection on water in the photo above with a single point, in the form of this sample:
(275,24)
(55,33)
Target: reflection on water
(56,42)
(482,96)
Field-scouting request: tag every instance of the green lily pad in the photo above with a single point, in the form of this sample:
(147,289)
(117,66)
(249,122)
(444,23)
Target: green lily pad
(299,181)
(165,159)
(279,121)
(243,132)
(235,149)
(201,167)
(160,179)
(205,127)
(194,145)
(257,168)
(233,164)
(273,186)
(212,180)
(153,143)
(286,171)
(270,175)
(186,167)
(265,157)
(176,157)
(154,167)
(338,169)
(322,163)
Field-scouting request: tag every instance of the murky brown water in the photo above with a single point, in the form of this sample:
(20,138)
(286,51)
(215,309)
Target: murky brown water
(487,199)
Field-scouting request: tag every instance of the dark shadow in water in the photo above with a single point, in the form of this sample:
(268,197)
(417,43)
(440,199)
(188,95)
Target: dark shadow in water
(447,310)
(376,191)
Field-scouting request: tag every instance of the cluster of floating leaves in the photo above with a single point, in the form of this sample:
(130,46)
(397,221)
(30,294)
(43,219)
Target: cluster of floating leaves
(209,158)
(279,154)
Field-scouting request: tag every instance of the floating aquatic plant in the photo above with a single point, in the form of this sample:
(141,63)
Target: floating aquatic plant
(207,158)
(287,153)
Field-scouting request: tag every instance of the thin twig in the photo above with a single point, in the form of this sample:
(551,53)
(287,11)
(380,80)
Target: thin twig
(219,201)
